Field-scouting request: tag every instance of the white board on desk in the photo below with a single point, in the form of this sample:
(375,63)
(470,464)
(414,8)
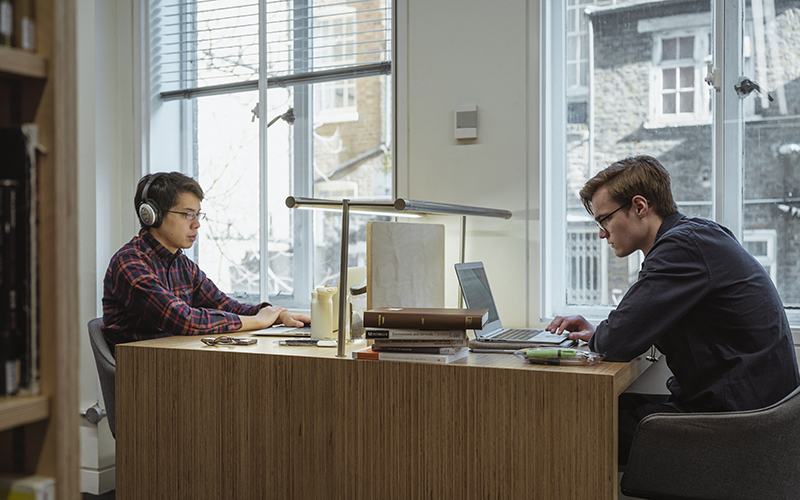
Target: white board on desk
(405,265)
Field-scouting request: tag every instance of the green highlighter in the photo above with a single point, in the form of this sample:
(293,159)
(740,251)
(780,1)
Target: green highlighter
(549,356)
(551,353)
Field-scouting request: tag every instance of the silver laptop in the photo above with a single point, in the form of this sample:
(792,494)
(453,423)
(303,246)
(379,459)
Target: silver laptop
(284,331)
(478,295)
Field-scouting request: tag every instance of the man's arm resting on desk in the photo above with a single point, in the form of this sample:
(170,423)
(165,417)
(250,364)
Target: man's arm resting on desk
(269,315)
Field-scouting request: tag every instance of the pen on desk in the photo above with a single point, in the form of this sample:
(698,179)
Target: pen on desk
(495,351)
(310,342)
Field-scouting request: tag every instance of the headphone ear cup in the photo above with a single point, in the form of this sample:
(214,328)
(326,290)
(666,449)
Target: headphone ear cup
(150,214)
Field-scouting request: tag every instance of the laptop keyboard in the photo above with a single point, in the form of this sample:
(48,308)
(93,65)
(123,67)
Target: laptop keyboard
(517,333)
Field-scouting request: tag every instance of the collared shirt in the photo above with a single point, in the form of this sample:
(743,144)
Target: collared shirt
(712,309)
(149,292)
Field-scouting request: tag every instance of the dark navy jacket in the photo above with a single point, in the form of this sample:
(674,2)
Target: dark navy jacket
(711,308)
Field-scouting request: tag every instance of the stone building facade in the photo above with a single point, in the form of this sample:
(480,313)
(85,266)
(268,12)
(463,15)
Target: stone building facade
(647,96)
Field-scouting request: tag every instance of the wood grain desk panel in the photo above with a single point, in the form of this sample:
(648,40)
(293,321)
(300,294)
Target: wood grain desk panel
(292,422)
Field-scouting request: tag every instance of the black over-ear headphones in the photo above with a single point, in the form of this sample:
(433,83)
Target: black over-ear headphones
(149,213)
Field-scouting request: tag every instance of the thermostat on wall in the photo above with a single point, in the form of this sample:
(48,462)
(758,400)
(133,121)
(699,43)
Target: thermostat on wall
(466,121)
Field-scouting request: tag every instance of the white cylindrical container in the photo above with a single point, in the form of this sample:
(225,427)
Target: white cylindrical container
(322,323)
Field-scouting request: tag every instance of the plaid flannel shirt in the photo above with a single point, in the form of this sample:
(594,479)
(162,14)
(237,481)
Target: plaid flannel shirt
(149,292)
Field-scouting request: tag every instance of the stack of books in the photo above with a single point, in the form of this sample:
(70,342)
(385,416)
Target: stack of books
(423,335)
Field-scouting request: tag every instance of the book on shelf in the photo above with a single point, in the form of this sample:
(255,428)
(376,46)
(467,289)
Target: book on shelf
(19,316)
(413,334)
(426,349)
(11,336)
(412,357)
(428,318)
(22,487)
(461,342)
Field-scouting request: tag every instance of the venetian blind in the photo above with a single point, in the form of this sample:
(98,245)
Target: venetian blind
(208,47)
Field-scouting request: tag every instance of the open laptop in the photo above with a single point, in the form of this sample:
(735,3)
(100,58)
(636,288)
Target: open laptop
(477,294)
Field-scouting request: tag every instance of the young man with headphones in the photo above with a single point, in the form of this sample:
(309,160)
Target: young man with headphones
(151,289)
(700,298)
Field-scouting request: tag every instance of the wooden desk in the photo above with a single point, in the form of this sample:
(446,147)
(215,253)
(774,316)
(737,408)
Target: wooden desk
(267,421)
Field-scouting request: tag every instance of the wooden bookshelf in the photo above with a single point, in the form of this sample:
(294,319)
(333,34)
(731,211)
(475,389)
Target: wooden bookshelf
(16,411)
(22,63)
(39,434)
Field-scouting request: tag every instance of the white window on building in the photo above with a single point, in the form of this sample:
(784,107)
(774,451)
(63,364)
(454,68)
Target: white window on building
(678,93)
(335,36)
(577,57)
(761,243)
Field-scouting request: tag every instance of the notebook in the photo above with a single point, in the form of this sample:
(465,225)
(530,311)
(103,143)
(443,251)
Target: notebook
(477,294)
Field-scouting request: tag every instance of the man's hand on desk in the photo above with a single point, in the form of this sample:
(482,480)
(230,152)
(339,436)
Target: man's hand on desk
(577,326)
(270,315)
(294,319)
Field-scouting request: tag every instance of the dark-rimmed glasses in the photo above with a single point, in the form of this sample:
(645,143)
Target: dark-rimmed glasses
(225,340)
(601,223)
(190,215)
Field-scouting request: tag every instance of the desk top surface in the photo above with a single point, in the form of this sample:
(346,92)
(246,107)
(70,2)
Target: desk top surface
(270,346)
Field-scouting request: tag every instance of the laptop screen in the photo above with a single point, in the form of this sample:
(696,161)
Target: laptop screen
(475,288)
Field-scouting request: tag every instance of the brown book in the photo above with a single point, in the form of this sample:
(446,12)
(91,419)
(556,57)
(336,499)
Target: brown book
(426,318)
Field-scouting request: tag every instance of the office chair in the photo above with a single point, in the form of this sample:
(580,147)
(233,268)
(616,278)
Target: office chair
(732,455)
(106,367)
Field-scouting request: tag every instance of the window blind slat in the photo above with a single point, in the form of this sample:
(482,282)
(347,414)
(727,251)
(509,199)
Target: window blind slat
(214,43)
(367,70)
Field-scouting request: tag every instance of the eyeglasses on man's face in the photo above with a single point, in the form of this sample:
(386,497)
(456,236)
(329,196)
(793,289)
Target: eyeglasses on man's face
(190,215)
(602,222)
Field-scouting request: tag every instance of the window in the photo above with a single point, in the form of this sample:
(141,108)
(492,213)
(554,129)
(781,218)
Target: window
(732,157)
(761,243)
(678,91)
(577,57)
(263,100)
(337,100)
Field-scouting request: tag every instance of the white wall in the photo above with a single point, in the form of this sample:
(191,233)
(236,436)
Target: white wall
(107,173)
(475,52)
(449,52)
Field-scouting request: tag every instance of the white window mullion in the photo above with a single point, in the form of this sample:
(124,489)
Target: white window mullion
(728,116)
(552,105)
(263,178)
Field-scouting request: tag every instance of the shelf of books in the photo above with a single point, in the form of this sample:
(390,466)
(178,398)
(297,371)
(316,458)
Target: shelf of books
(38,252)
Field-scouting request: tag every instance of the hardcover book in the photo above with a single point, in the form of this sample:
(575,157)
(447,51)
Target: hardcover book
(418,348)
(19,318)
(412,357)
(427,318)
(421,342)
(412,334)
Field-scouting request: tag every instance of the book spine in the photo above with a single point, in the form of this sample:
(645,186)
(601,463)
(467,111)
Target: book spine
(425,342)
(367,353)
(11,333)
(28,222)
(410,334)
(420,358)
(418,349)
(423,321)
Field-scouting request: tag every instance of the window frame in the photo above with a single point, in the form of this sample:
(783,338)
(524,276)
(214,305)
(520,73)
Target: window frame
(662,29)
(728,114)
(168,119)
